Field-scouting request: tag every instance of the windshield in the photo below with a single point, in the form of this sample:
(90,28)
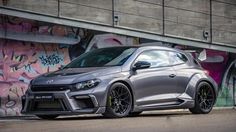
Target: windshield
(115,56)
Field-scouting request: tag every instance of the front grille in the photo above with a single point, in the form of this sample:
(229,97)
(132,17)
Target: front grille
(49,88)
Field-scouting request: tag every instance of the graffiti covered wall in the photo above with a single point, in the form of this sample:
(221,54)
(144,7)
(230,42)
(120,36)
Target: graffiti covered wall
(216,64)
(222,68)
(21,62)
(227,94)
(23,59)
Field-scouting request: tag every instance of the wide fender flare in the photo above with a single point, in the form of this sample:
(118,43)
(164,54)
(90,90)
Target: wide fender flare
(125,81)
(195,80)
(109,82)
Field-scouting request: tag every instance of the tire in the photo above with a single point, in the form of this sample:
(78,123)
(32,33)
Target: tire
(133,114)
(119,101)
(47,117)
(204,99)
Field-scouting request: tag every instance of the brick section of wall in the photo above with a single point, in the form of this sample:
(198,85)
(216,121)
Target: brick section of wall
(49,7)
(99,11)
(140,15)
(224,21)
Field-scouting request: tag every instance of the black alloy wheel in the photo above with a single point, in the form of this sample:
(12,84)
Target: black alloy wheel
(204,99)
(119,101)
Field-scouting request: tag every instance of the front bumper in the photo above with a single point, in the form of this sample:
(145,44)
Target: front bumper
(60,102)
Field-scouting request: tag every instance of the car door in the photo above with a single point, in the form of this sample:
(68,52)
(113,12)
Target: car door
(183,70)
(155,85)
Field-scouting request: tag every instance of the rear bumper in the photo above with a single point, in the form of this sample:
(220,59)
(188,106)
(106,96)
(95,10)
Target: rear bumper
(61,103)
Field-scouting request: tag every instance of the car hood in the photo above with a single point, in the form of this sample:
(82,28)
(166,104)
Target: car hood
(74,75)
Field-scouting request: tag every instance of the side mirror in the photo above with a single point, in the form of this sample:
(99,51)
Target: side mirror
(61,67)
(141,65)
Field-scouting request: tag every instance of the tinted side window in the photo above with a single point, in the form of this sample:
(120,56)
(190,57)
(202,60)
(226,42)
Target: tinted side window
(177,58)
(155,57)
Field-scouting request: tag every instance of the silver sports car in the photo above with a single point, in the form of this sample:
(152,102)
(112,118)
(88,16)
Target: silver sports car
(122,81)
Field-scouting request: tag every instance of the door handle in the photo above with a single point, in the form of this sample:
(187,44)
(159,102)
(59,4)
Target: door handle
(172,75)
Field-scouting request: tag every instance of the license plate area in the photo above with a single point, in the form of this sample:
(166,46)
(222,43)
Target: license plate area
(47,105)
(46,102)
(44,97)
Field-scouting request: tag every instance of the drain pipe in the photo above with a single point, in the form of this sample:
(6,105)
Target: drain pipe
(234,87)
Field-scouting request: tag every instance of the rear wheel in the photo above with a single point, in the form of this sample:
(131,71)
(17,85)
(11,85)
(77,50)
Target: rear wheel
(204,99)
(47,117)
(119,101)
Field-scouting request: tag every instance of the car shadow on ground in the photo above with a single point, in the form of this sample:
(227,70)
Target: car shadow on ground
(100,117)
(149,114)
(144,115)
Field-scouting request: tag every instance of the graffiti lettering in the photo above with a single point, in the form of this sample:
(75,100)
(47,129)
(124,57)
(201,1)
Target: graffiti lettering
(51,60)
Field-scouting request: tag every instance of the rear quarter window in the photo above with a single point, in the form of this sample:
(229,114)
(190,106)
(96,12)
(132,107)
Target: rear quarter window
(177,58)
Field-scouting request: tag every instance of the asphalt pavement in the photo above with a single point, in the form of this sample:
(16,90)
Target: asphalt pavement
(153,121)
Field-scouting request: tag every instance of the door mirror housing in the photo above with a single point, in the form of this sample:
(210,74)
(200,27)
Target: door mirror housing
(141,65)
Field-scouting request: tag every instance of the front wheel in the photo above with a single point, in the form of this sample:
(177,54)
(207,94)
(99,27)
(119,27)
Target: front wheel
(47,117)
(204,99)
(119,101)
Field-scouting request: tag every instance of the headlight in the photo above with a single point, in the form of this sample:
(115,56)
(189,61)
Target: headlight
(87,84)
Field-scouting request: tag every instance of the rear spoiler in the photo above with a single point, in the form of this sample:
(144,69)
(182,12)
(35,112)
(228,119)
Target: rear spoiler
(198,55)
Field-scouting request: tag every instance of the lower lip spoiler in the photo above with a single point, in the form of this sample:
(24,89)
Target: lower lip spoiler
(98,110)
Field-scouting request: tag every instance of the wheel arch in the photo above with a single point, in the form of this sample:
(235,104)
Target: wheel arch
(192,85)
(198,109)
(212,85)
(129,87)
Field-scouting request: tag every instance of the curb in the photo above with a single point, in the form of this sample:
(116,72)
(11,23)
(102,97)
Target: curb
(224,108)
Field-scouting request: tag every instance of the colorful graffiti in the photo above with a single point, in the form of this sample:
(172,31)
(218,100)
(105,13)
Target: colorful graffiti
(227,94)
(109,40)
(22,60)
(216,64)
(50,59)
(19,64)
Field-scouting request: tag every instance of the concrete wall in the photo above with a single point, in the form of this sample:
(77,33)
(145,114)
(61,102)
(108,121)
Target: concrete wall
(179,18)
(139,15)
(187,18)
(224,21)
